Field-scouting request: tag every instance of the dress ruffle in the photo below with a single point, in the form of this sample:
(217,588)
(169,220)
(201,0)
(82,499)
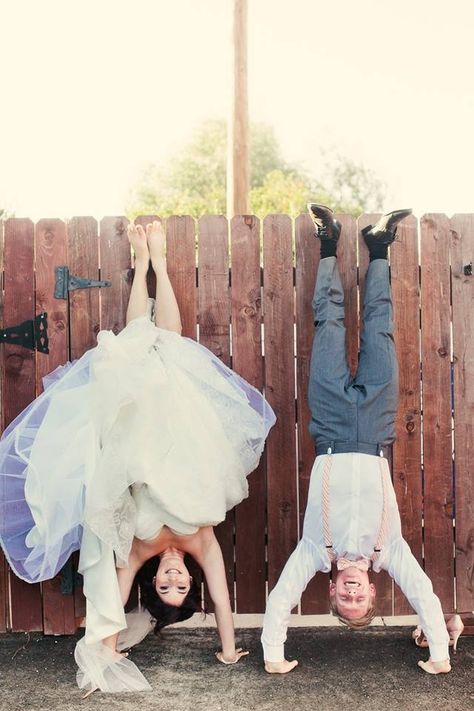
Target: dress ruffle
(100,668)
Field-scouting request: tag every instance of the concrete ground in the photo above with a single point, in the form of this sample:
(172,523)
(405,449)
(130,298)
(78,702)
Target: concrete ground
(372,670)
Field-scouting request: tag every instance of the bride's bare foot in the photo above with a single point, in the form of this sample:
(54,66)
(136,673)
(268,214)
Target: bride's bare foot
(156,238)
(137,238)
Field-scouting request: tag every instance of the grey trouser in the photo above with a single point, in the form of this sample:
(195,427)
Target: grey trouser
(353,414)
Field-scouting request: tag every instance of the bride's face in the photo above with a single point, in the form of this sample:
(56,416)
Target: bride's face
(172,580)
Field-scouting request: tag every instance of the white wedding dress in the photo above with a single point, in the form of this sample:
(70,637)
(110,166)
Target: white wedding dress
(147,429)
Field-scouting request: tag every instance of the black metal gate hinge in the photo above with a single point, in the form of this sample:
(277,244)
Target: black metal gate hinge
(66,282)
(32,334)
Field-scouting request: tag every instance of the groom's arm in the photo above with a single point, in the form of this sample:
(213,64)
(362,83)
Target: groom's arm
(403,567)
(301,566)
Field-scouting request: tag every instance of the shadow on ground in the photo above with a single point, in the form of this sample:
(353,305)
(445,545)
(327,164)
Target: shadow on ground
(375,669)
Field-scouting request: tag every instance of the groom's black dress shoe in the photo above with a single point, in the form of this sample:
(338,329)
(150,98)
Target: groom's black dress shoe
(323,219)
(386,228)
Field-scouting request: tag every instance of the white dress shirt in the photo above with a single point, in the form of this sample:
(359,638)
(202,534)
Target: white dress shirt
(355,510)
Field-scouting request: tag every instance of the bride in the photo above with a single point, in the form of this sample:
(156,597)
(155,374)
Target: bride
(133,454)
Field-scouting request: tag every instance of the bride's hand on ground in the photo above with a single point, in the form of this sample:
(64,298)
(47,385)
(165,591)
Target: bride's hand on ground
(137,238)
(156,238)
(280,667)
(238,654)
(88,693)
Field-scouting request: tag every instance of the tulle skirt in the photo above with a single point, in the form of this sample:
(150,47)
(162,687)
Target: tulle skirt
(146,411)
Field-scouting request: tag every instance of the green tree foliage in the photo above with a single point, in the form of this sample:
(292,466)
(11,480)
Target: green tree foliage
(280,191)
(194,181)
(351,187)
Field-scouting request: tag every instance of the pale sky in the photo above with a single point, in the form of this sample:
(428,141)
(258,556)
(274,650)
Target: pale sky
(93,90)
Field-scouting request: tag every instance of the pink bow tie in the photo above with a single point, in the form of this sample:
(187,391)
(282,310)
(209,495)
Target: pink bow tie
(361,564)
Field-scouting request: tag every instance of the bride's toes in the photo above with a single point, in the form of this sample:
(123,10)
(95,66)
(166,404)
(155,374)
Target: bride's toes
(156,239)
(131,231)
(141,233)
(137,239)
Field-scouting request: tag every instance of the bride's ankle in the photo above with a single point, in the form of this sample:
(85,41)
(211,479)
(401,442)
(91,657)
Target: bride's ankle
(158,264)
(141,265)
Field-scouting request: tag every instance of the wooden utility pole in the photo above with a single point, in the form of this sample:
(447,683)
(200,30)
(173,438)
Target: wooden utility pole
(238,133)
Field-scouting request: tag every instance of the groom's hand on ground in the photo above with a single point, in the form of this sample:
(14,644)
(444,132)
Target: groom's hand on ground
(280,667)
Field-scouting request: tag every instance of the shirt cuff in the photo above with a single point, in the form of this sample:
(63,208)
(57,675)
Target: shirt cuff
(439,652)
(273,652)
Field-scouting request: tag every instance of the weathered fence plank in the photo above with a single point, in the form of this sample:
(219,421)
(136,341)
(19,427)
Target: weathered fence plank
(278,311)
(181,262)
(363,253)
(19,384)
(437,434)
(462,257)
(406,469)
(214,333)
(115,265)
(51,252)
(250,516)
(83,250)
(347,261)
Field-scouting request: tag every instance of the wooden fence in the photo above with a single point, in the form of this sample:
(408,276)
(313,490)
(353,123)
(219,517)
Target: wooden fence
(433,286)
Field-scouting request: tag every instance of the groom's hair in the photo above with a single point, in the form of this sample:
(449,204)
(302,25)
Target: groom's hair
(163,613)
(356,624)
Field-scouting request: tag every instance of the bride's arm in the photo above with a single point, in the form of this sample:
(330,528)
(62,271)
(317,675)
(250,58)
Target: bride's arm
(214,571)
(125,577)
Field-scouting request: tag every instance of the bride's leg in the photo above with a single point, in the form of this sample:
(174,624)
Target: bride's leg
(166,307)
(137,303)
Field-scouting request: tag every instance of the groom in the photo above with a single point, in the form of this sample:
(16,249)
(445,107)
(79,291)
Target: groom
(352,517)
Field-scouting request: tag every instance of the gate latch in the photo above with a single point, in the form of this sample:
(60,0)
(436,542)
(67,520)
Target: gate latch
(66,282)
(32,334)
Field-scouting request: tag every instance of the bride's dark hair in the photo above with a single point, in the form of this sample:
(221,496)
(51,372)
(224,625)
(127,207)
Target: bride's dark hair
(163,613)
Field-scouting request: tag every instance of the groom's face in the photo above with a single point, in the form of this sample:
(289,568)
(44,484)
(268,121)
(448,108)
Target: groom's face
(352,593)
